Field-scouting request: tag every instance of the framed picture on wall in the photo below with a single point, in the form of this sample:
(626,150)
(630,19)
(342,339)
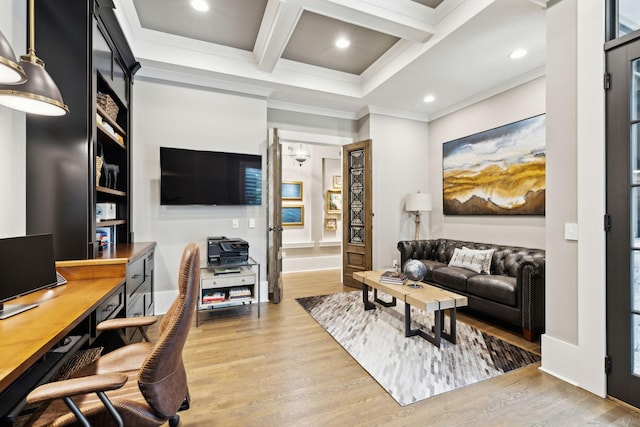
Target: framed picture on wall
(334,201)
(337,181)
(331,224)
(292,215)
(291,190)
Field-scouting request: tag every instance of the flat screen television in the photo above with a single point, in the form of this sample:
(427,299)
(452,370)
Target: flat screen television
(194,177)
(28,264)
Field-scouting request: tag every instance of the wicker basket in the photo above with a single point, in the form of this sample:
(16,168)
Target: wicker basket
(99,162)
(108,105)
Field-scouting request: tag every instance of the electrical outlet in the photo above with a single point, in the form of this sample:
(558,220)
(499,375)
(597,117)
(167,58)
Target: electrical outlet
(252,223)
(395,263)
(235,223)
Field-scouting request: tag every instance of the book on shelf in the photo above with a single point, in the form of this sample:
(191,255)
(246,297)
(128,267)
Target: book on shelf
(226,270)
(393,277)
(210,297)
(240,292)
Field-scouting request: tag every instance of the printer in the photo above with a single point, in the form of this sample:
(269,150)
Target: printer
(222,250)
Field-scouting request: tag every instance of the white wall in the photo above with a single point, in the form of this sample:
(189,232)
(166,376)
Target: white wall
(12,134)
(171,115)
(522,102)
(401,166)
(574,344)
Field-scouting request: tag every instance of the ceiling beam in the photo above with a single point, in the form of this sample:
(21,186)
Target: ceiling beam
(279,21)
(403,19)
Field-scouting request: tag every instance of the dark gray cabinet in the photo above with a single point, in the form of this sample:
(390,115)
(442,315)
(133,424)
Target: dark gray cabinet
(86,53)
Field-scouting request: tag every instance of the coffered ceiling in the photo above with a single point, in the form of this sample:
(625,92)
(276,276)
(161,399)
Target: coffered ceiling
(284,50)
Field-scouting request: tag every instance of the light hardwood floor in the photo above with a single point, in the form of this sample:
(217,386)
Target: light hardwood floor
(283,369)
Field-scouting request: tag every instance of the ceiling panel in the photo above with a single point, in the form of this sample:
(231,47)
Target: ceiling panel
(233,23)
(431,3)
(313,43)
(465,60)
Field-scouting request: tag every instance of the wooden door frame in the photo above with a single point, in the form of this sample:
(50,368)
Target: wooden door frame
(274,217)
(366,250)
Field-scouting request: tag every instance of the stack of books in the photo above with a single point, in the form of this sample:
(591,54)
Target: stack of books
(393,278)
(211,297)
(239,293)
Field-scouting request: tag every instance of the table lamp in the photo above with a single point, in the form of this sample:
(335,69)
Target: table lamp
(416,203)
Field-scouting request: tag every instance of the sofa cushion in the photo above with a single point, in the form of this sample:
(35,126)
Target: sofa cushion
(452,277)
(431,265)
(472,259)
(497,288)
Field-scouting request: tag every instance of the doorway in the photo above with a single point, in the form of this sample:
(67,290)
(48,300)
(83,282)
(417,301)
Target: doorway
(311,196)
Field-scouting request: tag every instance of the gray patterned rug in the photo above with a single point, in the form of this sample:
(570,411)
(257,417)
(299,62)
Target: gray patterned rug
(412,369)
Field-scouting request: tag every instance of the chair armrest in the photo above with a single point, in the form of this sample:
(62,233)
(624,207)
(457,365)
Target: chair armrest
(531,283)
(127,322)
(76,386)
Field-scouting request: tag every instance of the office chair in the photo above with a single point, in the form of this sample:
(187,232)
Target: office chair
(121,325)
(140,384)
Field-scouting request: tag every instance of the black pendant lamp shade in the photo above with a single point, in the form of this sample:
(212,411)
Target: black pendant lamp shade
(39,94)
(10,71)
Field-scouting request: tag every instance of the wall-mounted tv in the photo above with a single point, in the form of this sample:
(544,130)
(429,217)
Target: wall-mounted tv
(194,177)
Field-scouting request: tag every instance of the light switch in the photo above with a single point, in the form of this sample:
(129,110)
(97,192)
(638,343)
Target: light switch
(571,231)
(252,223)
(235,223)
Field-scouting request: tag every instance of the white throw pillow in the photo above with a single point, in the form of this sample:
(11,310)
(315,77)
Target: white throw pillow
(478,260)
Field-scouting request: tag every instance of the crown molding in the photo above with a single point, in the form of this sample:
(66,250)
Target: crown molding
(496,90)
(307,109)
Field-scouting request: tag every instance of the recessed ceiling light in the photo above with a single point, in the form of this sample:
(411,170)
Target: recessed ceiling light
(200,5)
(518,53)
(343,43)
(429,98)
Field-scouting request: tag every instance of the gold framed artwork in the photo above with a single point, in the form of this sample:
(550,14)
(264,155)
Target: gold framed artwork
(508,176)
(291,190)
(337,181)
(292,215)
(331,224)
(333,201)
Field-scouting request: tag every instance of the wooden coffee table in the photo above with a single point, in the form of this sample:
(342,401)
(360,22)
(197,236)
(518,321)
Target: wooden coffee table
(428,298)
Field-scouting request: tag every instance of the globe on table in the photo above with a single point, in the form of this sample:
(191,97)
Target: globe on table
(415,271)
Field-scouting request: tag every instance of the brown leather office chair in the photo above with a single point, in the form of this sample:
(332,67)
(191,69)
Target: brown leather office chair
(140,384)
(120,325)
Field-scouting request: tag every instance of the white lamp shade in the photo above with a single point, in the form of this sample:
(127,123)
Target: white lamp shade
(418,202)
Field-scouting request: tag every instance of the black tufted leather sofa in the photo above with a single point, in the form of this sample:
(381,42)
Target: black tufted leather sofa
(512,293)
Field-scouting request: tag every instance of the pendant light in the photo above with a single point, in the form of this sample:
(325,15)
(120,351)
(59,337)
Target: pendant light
(10,71)
(39,94)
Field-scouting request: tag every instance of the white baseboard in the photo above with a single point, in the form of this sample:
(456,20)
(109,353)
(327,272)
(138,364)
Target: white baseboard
(560,359)
(294,265)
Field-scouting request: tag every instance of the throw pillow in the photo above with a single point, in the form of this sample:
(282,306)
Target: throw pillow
(472,259)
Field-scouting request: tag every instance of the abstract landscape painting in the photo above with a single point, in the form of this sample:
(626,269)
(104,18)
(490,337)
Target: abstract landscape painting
(497,172)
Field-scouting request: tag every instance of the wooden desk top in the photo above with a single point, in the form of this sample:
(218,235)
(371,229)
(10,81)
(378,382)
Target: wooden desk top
(26,337)
(122,253)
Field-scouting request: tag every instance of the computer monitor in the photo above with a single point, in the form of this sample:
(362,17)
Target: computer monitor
(27,264)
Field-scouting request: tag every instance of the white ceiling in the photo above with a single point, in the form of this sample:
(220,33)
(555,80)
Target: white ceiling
(401,50)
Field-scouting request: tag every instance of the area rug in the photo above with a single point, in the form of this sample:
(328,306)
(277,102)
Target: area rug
(412,369)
